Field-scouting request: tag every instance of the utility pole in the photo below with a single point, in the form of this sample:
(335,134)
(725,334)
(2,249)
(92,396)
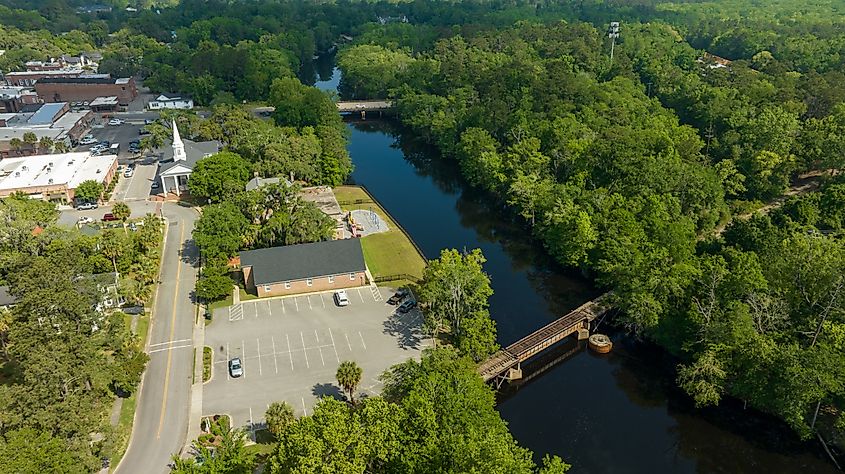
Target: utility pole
(612,33)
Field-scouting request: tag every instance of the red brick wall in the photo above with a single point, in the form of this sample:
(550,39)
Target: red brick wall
(50,92)
(301,286)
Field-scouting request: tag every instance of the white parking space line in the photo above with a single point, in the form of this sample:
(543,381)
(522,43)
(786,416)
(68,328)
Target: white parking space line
(360,295)
(228,375)
(269,309)
(304,350)
(333,346)
(296,302)
(309,302)
(322,300)
(255,307)
(250,417)
(362,340)
(303,406)
(258,343)
(284,311)
(290,353)
(243,358)
(319,348)
(275,362)
(347,341)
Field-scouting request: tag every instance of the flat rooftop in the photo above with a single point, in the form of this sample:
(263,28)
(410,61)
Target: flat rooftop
(68,169)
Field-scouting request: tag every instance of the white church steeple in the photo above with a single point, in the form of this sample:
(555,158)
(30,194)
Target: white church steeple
(178,146)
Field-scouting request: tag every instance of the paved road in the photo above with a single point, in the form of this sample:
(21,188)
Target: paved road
(161,417)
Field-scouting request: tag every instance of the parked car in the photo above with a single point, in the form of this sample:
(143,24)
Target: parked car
(128,173)
(154,185)
(87,140)
(397,297)
(84,220)
(86,206)
(97,148)
(116,121)
(341,298)
(407,306)
(143,131)
(235,367)
(107,217)
(148,121)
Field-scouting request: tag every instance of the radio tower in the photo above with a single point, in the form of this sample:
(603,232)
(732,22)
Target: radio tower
(612,33)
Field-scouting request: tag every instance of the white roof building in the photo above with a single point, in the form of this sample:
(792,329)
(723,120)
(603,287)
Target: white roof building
(54,177)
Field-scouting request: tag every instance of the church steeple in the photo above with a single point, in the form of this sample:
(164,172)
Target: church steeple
(178,146)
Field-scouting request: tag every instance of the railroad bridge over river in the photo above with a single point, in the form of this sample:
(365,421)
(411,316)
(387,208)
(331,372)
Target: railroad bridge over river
(506,364)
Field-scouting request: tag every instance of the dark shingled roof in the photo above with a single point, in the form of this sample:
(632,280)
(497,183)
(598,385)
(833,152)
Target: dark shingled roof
(78,80)
(297,262)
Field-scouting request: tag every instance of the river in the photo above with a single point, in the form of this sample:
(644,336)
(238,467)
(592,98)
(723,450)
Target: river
(617,413)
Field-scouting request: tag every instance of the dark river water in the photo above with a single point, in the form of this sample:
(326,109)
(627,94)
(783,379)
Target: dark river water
(617,413)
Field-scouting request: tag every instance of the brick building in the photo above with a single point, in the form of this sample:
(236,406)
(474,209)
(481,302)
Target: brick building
(86,88)
(304,268)
(29,78)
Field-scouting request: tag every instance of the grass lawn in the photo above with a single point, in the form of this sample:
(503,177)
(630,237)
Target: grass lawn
(127,410)
(206,363)
(386,253)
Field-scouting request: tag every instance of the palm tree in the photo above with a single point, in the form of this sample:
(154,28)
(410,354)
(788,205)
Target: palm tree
(46,143)
(16,144)
(61,147)
(278,416)
(121,211)
(349,376)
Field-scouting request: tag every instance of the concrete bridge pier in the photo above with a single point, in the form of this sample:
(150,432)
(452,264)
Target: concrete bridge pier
(584,331)
(515,373)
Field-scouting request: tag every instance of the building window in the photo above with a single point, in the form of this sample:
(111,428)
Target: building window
(309,282)
(287,285)
(331,278)
(351,276)
(266,288)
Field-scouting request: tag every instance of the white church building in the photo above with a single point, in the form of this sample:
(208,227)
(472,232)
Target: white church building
(178,162)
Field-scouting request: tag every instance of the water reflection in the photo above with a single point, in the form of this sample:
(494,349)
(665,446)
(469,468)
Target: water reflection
(617,413)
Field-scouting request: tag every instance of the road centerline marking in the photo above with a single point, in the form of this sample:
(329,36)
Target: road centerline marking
(172,332)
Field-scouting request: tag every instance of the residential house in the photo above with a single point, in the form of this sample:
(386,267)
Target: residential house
(171,101)
(303,268)
(6,300)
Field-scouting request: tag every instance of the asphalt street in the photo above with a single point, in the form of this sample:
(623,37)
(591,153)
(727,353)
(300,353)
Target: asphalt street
(163,407)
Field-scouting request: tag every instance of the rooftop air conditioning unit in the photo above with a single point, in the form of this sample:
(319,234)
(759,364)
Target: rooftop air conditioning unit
(98,171)
(24,167)
(50,181)
(17,174)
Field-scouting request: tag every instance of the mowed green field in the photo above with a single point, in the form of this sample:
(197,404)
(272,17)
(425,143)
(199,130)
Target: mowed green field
(386,253)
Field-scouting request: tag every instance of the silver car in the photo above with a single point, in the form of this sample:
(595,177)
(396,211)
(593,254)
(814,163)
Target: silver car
(235,367)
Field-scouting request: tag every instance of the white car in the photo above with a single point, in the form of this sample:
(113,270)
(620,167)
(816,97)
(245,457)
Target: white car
(88,140)
(116,121)
(85,220)
(341,298)
(128,173)
(236,369)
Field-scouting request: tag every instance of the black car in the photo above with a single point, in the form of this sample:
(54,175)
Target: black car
(143,131)
(398,296)
(407,306)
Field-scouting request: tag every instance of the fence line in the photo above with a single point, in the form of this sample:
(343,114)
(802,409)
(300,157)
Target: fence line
(395,221)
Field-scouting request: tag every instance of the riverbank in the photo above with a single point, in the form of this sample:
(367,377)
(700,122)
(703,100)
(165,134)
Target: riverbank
(392,255)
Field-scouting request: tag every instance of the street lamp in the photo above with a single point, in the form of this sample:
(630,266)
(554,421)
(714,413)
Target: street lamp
(612,33)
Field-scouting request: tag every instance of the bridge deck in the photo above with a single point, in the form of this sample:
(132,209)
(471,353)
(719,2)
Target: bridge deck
(363,105)
(541,339)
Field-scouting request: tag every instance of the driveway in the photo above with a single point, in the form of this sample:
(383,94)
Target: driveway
(136,187)
(291,347)
(164,401)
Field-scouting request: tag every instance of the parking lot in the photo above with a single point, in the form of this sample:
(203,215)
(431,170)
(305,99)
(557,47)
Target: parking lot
(137,186)
(122,134)
(291,347)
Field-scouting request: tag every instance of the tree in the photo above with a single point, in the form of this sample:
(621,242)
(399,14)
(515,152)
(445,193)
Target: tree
(454,293)
(29,138)
(46,144)
(349,376)
(220,230)
(29,450)
(279,416)
(230,456)
(88,191)
(219,176)
(113,246)
(215,282)
(122,212)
